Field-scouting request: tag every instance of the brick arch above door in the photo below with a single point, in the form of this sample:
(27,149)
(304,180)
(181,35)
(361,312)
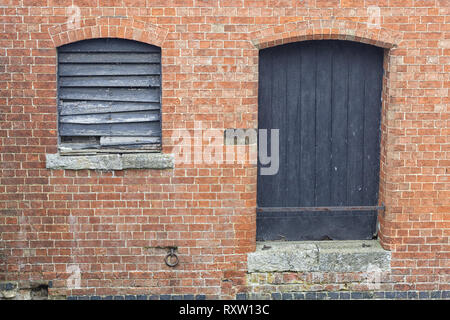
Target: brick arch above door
(123,28)
(325,30)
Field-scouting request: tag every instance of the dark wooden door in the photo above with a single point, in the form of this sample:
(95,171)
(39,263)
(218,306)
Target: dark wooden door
(325,98)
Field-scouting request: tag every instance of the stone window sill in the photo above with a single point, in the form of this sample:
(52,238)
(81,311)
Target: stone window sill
(319,256)
(111,161)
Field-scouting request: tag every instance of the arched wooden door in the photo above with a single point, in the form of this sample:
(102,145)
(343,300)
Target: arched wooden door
(325,98)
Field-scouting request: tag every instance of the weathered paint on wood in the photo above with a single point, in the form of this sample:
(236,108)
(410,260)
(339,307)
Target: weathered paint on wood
(96,57)
(78,69)
(110,94)
(151,129)
(121,117)
(325,97)
(114,141)
(316,225)
(87,107)
(111,81)
(63,149)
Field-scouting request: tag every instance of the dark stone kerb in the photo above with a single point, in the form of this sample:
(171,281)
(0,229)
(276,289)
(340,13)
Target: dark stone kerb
(111,161)
(319,256)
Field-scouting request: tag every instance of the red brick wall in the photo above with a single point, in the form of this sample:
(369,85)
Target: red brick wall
(55,221)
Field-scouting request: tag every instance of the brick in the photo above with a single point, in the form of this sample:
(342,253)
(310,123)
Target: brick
(100,221)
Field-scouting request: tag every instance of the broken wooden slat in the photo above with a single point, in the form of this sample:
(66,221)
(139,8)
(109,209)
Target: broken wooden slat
(110,81)
(151,129)
(110,94)
(145,147)
(79,146)
(109,57)
(126,149)
(89,107)
(116,141)
(122,117)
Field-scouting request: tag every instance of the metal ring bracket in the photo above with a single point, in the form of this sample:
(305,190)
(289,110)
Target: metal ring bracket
(171,258)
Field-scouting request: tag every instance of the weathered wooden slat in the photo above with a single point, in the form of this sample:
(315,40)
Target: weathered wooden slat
(113,57)
(108,45)
(150,129)
(148,147)
(79,145)
(72,69)
(122,117)
(109,81)
(122,149)
(82,147)
(89,107)
(117,141)
(113,94)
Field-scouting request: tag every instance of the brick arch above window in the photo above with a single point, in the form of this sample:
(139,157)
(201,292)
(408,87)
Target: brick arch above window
(102,27)
(325,30)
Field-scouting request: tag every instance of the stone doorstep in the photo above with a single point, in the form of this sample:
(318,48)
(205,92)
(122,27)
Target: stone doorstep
(111,161)
(319,256)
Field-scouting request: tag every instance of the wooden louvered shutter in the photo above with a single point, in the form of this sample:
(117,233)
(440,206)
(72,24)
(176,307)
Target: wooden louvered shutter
(109,96)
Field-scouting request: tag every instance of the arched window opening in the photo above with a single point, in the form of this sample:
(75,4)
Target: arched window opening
(109,96)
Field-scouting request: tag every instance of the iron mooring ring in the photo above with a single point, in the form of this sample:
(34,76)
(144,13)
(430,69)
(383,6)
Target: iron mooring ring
(169,257)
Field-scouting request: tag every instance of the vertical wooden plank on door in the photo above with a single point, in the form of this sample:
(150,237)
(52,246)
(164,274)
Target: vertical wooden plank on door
(308,123)
(355,126)
(323,124)
(339,106)
(278,116)
(293,132)
(372,115)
